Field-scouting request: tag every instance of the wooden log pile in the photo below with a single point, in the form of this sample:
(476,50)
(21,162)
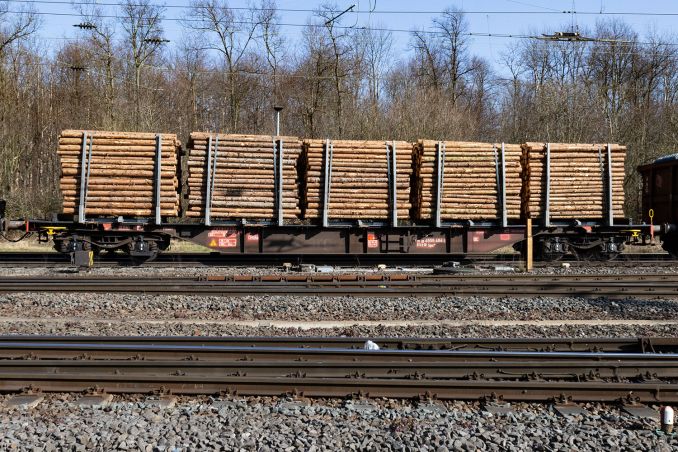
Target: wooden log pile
(578,180)
(470,189)
(121,173)
(360,182)
(245,177)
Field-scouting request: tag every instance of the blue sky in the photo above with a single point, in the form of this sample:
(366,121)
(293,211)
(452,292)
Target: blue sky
(484,16)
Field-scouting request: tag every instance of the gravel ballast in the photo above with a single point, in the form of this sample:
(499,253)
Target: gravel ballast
(93,306)
(271,424)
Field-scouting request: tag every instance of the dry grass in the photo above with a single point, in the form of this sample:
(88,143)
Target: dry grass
(27,245)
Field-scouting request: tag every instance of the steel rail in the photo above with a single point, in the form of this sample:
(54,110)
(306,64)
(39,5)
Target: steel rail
(149,352)
(664,285)
(214,259)
(655,392)
(553,369)
(630,344)
(191,367)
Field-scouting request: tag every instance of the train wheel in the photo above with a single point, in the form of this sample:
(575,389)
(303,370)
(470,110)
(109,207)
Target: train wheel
(551,250)
(141,251)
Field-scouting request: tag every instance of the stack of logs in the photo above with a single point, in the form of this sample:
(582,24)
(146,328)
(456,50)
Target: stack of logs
(360,182)
(578,182)
(121,173)
(470,189)
(245,179)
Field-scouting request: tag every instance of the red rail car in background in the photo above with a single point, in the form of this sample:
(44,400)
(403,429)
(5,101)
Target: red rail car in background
(660,198)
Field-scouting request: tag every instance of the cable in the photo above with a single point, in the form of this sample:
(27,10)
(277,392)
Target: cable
(393,30)
(370,11)
(4,236)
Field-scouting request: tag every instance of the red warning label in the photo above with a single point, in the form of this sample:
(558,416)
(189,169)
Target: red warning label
(252,237)
(221,233)
(223,238)
(372,240)
(228,242)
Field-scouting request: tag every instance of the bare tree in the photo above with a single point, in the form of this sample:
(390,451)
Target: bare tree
(101,37)
(313,77)
(337,39)
(376,47)
(229,34)
(272,41)
(427,58)
(16,26)
(190,65)
(453,29)
(142,24)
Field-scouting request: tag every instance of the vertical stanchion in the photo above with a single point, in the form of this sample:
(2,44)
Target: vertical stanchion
(504,215)
(394,175)
(158,178)
(279,179)
(208,183)
(328,180)
(529,249)
(547,202)
(440,175)
(83,179)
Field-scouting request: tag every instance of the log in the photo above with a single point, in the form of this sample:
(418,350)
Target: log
(122,173)
(245,169)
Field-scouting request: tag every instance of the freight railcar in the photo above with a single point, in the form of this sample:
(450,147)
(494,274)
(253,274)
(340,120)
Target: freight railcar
(660,198)
(269,195)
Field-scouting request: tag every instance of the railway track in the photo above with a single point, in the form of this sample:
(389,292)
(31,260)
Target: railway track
(371,284)
(337,368)
(53,259)
(630,344)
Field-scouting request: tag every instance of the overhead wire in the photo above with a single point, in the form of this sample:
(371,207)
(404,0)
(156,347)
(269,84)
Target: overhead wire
(394,30)
(368,11)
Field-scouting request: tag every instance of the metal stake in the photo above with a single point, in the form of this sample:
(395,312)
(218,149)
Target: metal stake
(610,211)
(547,203)
(394,184)
(328,180)
(440,154)
(208,181)
(83,184)
(277,109)
(504,215)
(158,178)
(279,179)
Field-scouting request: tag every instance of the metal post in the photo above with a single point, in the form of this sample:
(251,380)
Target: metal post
(610,211)
(440,175)
(83,170)
(497,179)
(529,248)
(277,109)
(328,179)
(85,167)
(279,179)
(208,181)
(158,178)
(394,184)
(504,215)
(547,203)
